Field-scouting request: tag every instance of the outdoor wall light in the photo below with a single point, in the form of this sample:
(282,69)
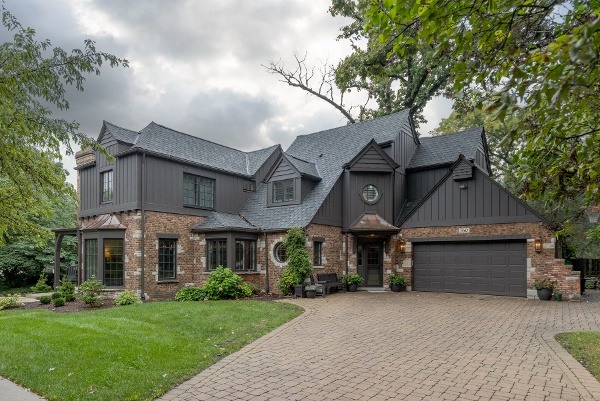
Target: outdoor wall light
(537,245)
(462,185)
(402,245)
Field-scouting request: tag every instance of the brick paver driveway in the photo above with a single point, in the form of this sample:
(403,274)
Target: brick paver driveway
(409,346)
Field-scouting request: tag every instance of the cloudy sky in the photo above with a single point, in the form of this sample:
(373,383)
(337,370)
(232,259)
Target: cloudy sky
(195,66)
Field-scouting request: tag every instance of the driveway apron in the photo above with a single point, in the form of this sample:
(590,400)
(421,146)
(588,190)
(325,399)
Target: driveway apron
(409,346)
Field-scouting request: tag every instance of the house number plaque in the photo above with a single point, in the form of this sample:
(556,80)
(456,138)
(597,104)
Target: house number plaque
(464,230)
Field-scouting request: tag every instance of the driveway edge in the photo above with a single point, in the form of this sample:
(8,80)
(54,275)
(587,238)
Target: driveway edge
(586,384)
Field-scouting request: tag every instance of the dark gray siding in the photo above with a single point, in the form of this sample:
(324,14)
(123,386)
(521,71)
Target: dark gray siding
(284,170)
(371,160)
(482,201)
(261,173)
(463,171)
(164,188)
(403,149)
(419,183)
(330,212)
(126,184)
(481,161)
(306,186)
(384,207)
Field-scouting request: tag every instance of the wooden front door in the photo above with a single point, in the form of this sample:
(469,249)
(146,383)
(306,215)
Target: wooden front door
(370,264)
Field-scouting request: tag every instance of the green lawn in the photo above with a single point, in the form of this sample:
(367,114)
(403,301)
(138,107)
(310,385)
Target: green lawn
(585,347)
(135,352)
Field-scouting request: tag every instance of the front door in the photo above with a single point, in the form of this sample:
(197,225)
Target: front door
(370,266)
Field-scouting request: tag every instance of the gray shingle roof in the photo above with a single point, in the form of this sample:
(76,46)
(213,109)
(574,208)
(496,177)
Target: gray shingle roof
(166,141)
(120,134)
(223,221)
(444,149)
(305,168)
(329,150)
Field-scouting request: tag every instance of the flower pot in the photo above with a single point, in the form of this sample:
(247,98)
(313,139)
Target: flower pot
(397,287)
(299,291)
(558,296)
(544,294)
(311,294)
(352,287)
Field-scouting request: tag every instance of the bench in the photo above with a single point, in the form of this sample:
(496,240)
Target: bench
(330,281)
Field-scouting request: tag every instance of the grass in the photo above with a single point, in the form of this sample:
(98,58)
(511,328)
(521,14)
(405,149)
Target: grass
(135,352)
(585,347)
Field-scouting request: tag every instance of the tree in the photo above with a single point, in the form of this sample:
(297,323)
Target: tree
(540,56)
(392,83)
(33,77)
(24,257)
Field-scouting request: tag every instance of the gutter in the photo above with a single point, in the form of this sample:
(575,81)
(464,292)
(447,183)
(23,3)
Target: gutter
(143,228)
(267,289)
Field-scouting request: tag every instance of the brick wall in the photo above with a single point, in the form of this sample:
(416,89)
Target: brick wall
(540,265)
(333,253)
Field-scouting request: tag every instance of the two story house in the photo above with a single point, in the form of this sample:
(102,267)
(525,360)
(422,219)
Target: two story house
(372,197)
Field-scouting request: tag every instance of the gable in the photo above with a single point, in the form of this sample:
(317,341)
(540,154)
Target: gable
(372,158)
(478,200)
(283,170)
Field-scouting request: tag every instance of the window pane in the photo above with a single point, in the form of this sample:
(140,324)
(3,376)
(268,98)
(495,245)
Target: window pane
(91,258)
(167,252)
(113,262)
(289,190)
(107,186)
(240,255)
(317,253)
(245,255)
(189,189)
(277,191)
(216,253)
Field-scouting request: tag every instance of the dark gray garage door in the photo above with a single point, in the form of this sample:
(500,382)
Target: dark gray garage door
(494,268)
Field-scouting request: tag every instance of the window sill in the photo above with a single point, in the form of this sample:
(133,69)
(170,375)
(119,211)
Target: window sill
(318,267)
(167,281)
(241,273)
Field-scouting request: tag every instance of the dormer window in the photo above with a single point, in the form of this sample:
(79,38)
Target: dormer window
(283,191)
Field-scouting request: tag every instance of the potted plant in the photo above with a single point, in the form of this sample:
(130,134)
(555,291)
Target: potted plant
(544,289)
(397,283)
(311,291)
(352,281)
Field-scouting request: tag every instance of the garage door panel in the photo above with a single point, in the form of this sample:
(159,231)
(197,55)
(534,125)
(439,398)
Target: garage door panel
(495,268)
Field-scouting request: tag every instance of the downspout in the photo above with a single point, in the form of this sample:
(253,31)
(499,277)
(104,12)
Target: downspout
(266,264)
(143,228)
(346,239)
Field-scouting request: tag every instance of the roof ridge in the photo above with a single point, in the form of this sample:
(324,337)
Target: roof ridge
(193,136)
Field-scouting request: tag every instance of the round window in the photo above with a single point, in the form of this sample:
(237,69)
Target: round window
(280,253)
(370,193)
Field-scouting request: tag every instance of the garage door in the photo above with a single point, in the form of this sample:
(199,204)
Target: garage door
(494,268)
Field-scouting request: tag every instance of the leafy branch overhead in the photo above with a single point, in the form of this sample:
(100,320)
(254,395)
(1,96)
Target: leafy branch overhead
(34,77)
(387,84)
(538,55)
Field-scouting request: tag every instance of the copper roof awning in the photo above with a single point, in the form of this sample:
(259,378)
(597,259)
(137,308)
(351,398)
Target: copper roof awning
(104,222)
(371,222)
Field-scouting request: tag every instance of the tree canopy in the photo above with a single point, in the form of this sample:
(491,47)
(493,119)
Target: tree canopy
(33,78)
(389,83)
(536,55)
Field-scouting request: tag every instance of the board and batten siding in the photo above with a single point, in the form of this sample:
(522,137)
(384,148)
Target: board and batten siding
(404,148)
(481,201)
(164,188)
(371,160)
(384,207)
(330,212)
(420,182)
(261,173)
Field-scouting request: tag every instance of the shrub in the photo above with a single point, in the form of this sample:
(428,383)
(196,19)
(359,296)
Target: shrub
(287,280)
(192,293)
(352,279)
(298,264)
(10,301)
(67,290)
(57,302)
(539,284)
(89,291)
(41,285)
(56,295)
(45,299)
(222,283)
(127,297)
(396,279)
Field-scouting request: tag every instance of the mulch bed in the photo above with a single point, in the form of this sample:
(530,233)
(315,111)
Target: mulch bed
(79,306)
(76,306)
